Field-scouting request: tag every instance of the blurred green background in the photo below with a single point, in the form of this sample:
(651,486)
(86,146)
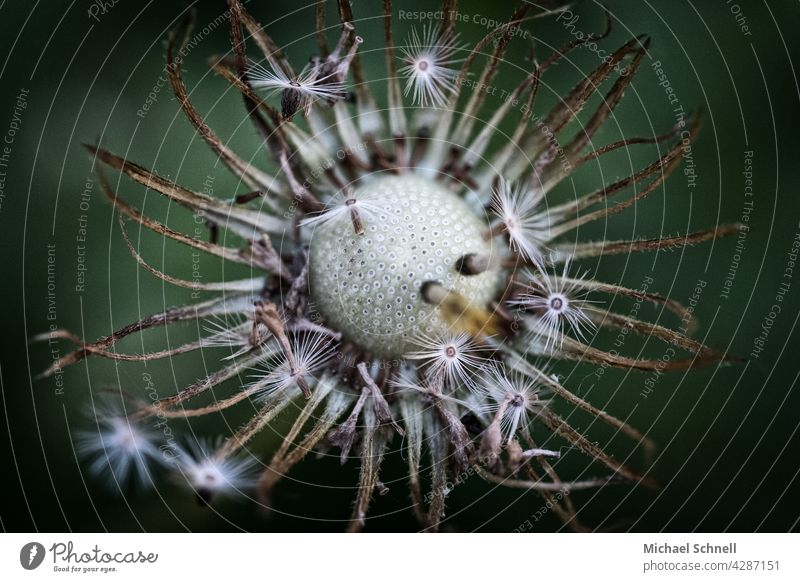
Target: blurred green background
(729,448)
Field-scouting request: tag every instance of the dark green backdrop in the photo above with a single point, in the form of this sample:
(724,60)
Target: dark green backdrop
(729,447)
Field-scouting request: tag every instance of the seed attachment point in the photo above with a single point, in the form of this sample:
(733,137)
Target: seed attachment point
(475,264)
(355,217)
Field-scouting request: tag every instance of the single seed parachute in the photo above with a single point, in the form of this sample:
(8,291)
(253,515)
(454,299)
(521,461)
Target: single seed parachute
(410,272)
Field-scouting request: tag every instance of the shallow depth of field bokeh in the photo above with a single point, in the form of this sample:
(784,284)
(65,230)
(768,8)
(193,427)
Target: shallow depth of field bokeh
(728,444)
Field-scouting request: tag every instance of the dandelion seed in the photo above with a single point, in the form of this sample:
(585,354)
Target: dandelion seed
(557,304)
(453,356)
(521,215)
(312,351)
(512,396)
(120,450)
(211,476)
(474,264)
(428,59)
(429,388)
(232,332)
(344,205)
(299,92)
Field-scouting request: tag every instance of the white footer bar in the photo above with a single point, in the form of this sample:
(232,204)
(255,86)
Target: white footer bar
(401,557)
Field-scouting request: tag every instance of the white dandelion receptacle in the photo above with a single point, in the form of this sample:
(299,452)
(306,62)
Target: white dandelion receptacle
(368,286)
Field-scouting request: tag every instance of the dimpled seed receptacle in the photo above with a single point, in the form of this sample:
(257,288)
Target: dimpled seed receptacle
(368,286)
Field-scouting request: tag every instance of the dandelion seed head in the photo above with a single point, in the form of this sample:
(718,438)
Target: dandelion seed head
(385,294)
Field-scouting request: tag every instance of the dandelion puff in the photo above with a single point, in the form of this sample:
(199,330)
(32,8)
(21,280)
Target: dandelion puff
(453,356)
(306,82)
(298,92)
(513,396)
(557,304)
(411,383)
(231,331)
(475,401)
(119,449)
(407,381)
(210,475)
(527,225)
(425,266)
(344,205)
(312,351)
(428,59)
